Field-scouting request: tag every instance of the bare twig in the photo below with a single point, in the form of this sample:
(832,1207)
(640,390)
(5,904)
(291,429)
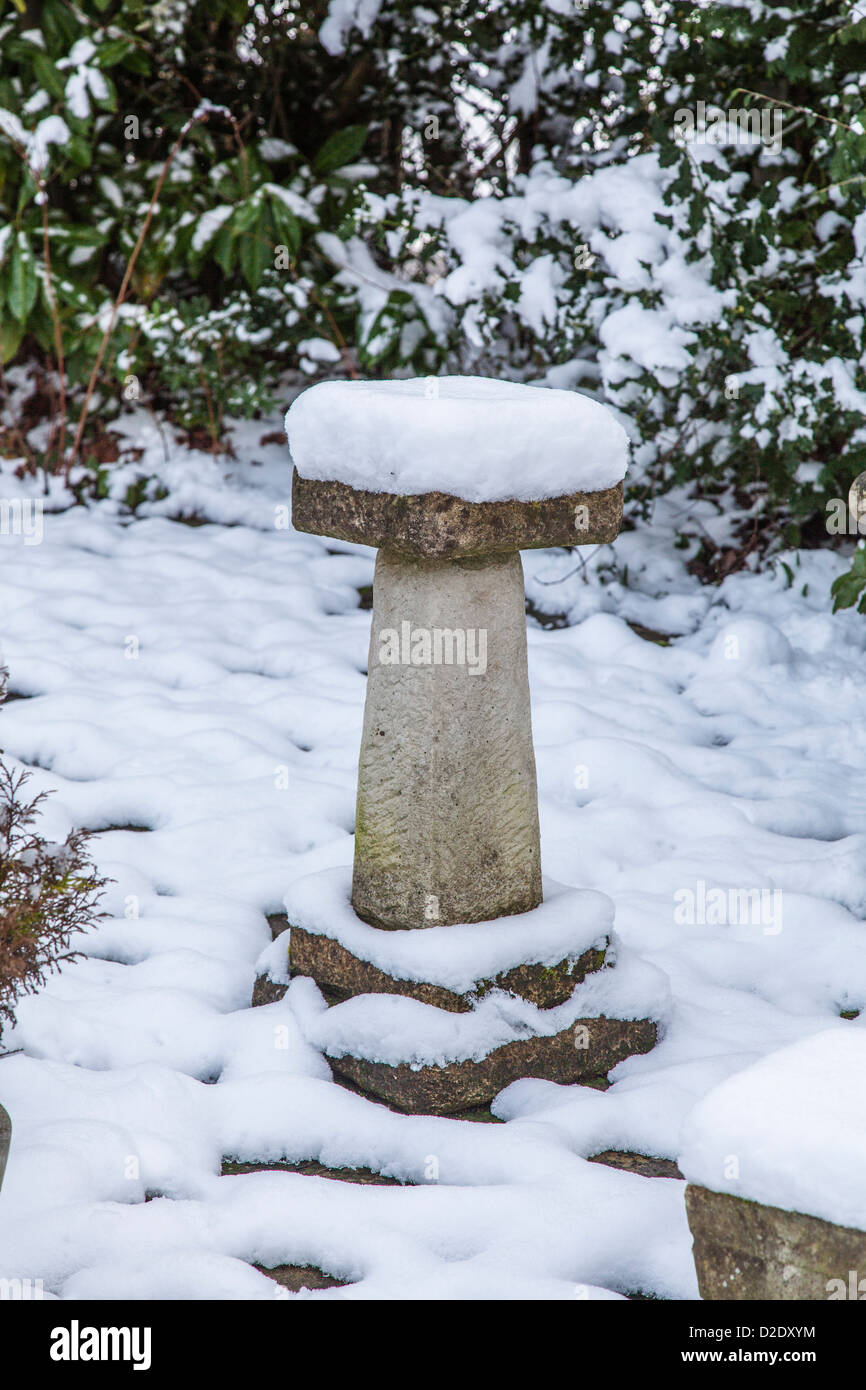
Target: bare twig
(58,332)
(791,106)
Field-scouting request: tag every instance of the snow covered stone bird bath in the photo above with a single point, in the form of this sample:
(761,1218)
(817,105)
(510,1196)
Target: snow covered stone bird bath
(449,973)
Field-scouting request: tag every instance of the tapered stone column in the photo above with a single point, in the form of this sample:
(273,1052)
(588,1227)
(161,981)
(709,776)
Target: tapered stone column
(447,818)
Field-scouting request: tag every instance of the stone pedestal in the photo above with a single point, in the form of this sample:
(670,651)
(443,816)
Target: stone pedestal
(446,832)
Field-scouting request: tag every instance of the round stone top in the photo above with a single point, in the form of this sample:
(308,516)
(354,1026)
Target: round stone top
(467,437)
(437,526)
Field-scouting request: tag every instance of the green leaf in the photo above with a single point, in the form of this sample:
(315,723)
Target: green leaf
(10,339)
(343,147)
(23,284)
(27,191)
(847,588)
(60,26)
(255,254)
(136,61)
(224,247)
(77,236)
(39,325)
(112,52)
(47,75)
(286,225)
(79,151)
(246,214)
(109,101)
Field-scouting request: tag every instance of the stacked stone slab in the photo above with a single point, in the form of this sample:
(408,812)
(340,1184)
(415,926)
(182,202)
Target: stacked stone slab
(746,1250)
(447,816)
(774,1157)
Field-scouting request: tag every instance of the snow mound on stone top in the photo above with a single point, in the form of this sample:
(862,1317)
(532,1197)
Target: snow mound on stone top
(469,436)
(796,1123)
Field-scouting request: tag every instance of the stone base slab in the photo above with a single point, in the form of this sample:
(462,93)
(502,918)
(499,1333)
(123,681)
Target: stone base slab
(459,1086)
(340,975)
(745,1250)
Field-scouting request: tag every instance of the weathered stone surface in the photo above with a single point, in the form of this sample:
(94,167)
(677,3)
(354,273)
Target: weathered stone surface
(745,1250)
(297,1277)
(461,1086)
(5,1140)
(446,827)
(340,975)
(267,991)
(310,1168)
(643,1164)
(439,526)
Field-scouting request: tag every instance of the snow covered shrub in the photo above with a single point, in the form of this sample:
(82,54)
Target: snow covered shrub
(706,275)
(134,199)
(48,892)
(659,202)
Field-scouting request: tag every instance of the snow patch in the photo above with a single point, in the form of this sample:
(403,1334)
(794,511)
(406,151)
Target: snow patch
(472,437)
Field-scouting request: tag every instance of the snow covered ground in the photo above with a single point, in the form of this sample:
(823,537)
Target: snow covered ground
(195,694)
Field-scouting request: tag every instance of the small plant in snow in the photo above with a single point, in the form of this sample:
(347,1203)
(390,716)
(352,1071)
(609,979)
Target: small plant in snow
(48,892)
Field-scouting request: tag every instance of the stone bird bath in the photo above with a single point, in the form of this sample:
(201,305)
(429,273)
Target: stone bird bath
(447,908)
